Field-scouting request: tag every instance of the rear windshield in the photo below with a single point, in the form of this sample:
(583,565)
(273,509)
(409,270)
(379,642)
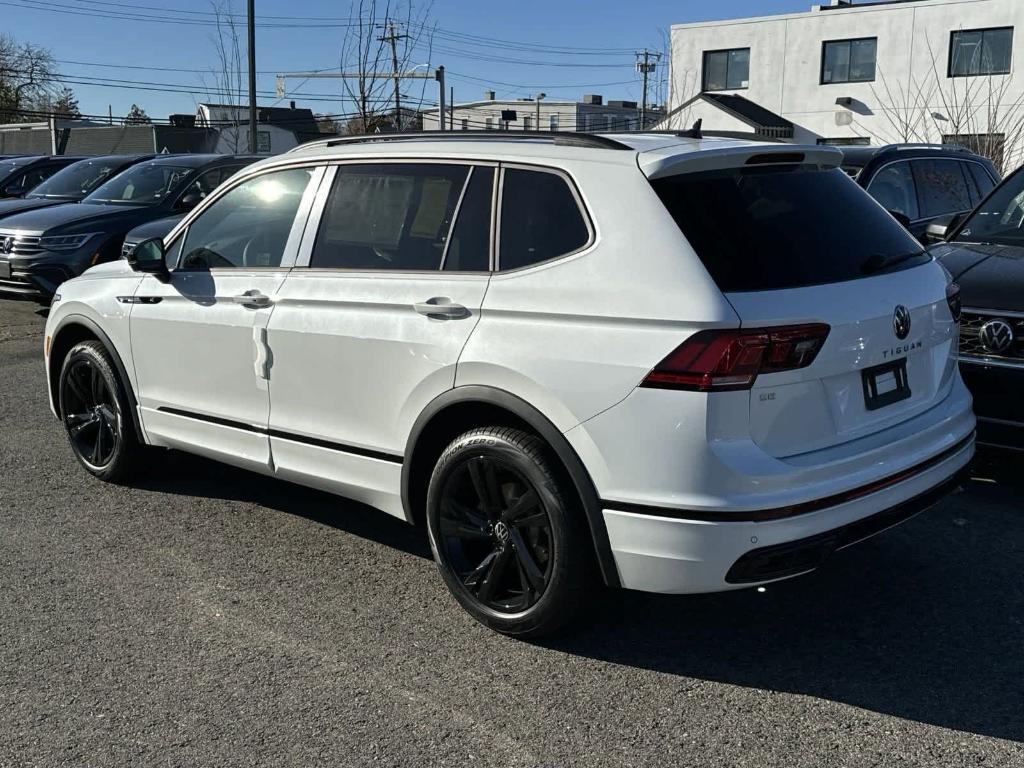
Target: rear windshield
(762,229)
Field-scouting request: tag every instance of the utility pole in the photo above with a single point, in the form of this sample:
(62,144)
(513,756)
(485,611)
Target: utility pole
(252,77)
(451,108)
(393,37)
(645,67)
(439,76)
(539,97)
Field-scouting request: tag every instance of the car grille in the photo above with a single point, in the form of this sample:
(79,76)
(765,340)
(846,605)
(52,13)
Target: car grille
(993,345)
(20,245)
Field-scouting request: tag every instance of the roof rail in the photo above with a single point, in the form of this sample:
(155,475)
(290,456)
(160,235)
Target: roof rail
(561,138)
(902,147)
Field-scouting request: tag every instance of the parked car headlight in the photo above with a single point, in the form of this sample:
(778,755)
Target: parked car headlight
(63,242)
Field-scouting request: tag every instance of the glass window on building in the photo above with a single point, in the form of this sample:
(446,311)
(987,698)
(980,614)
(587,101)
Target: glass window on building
(980,52)
(553,122)
(849,61)
(727,70)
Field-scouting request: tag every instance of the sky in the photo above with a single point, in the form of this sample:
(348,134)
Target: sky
(160,54)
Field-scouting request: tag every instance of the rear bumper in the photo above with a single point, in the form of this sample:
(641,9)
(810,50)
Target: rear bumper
(664,554)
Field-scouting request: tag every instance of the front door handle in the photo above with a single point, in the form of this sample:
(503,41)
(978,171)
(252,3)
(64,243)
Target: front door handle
(441,308)
(253,299)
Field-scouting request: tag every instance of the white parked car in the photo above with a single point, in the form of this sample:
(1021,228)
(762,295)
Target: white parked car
(684,363)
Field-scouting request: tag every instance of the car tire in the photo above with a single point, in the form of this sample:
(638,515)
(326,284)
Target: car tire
(97,414)
(507,534)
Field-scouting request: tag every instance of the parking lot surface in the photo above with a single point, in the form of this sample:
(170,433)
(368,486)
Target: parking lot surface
(209,616)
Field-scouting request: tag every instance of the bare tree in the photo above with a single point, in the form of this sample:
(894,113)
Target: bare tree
(28,79)
(366,51)
(985,113)
(226,84)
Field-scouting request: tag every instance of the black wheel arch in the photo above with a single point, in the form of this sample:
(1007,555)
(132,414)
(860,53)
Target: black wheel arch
(462,408)
(73,329)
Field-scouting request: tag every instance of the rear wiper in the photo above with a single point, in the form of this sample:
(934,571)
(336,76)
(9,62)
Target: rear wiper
(876,262)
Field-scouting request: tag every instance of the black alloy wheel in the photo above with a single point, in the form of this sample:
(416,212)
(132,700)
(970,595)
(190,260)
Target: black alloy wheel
(97,414)
(90,413)
(507,533)
(496,534)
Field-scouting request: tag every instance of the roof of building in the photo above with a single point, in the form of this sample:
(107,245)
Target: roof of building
(300,120)
(531,104)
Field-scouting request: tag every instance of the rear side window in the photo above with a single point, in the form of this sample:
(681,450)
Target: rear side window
(771,228)
(540,219)
(982,180)
(941,187)
(893,188)
(470,247)
(389,216)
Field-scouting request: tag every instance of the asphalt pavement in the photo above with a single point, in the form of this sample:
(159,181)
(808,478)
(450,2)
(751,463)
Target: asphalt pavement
(207,616)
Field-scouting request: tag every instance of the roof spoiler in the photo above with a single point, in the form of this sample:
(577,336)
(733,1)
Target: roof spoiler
(670,161)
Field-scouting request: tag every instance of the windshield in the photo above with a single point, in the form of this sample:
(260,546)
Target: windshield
(1000,219)
(777,227)
(145,184)
(77,180)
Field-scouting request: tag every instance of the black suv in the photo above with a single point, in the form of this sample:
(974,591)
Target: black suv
(919,183)
(39,250)
(19,175)
(71,184)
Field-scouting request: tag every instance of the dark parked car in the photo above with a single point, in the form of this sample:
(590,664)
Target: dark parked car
(19,175)
(39,250)
(985,255)
(159,228)
(71,184)
(921,182)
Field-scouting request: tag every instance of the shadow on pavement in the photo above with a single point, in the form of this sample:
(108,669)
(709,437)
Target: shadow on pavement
(925,622)
(187,475)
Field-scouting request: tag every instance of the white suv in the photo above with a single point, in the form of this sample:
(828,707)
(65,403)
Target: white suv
(684,363)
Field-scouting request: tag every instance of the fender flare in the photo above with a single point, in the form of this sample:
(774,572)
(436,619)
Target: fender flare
(547,431)
(122,372)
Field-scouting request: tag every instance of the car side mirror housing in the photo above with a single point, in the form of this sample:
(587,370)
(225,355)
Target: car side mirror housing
(190,200)
(940,229)
(149,257)
(902,218)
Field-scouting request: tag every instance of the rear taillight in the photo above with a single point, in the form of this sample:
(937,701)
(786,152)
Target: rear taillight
(953,299)
(721,361)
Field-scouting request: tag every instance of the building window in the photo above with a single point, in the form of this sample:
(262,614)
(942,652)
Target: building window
(727,70)
(846,141)
(980,52)
(527,123)
(489,124)
(464,123)
(849,61)
(553,122)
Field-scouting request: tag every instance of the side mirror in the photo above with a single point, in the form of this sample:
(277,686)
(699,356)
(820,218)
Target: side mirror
(902,218)
(148,257)
(941,228)
(190,200)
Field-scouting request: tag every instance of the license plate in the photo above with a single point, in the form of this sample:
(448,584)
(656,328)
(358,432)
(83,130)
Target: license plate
(885,384)
(5,269)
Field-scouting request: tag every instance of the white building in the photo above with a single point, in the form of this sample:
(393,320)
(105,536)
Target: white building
(591,114)
(859,73)
(278,129)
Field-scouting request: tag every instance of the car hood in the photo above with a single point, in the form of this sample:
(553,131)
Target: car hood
(990,276)
(72,218)
(15,205)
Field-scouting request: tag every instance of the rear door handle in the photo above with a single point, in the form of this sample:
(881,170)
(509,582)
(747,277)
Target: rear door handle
(253,299)
(441,308)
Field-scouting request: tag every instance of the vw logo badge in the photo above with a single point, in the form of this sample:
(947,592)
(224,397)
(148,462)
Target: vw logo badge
(7,245)
(996,336)
(901,322)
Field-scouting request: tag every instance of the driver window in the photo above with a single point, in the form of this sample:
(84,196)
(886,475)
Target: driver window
(249,226)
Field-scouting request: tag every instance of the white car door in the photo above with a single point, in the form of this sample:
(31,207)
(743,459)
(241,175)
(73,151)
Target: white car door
(199,339)
(368,327)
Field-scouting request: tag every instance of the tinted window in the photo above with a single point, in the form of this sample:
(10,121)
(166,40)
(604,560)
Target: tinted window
(941,187)
(849,61)
(389,216)
(1000,218)
(209,181)
(33,177)
(980,52)
(540,219)
(982,180)
(143,184)
(470,247)
(773,228)
(727,70)
(77,179)
(893,188)
(249,226)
